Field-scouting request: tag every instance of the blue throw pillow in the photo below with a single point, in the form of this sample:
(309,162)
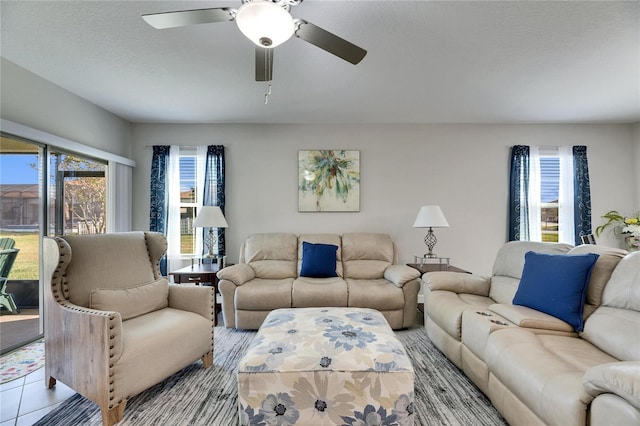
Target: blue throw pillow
(318,260)
(556,284)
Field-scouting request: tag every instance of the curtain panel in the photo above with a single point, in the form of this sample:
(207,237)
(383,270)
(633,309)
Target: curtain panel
(519,193)
(582,193)
(158,206)
(119,209)
(214,189)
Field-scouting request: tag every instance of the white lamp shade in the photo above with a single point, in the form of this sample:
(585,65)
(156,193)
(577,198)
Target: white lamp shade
(430,217)
(210,217)
(265,23)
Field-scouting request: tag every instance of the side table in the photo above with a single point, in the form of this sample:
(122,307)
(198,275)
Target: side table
(198,274)
(433,267)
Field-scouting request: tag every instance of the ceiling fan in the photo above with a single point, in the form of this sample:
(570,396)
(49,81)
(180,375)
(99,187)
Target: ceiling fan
(267,23)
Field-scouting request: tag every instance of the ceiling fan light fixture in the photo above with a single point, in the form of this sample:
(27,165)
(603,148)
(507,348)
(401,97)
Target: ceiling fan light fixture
(265,23)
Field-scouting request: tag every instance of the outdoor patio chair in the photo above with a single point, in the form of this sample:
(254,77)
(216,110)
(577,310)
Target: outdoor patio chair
(7,257)
(7,243)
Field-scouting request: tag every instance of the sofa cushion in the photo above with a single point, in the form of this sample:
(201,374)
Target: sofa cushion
(507,268)
(544,372)
(166,341)
(556,284)
(132,302)
(602,270)
(316,292)
(510,258)
(272,256)
(377,294)
(623,289)
(318,260)
(123,263)
(614,325)
(262,294)
(366,256)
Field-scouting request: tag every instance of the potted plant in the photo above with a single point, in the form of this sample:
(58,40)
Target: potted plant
(629,228)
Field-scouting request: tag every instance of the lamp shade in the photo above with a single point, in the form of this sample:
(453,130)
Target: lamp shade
(210,217)
(265,23)
(430,217)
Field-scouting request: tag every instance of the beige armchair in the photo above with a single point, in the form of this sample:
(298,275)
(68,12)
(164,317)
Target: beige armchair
(113,325)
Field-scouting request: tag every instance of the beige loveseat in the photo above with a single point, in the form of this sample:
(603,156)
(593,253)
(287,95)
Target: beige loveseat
(535,368)
(267,277)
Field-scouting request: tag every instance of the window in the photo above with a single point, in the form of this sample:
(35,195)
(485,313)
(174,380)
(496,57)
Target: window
(549,194)
(549,197)
(188,203)
(182,180)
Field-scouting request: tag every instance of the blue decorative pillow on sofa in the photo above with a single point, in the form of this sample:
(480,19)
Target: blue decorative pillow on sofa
(318,260)
(556,284)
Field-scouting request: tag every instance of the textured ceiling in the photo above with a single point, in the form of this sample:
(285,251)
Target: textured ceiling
(427,62)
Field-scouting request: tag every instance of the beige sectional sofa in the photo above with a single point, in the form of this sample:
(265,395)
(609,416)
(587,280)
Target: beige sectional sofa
(267,277)
(535,368)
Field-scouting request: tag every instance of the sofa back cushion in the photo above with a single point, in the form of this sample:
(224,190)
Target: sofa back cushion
(107,261)
(507,269)
(600,274)
(272,255)
(366,256)
(333,239)
(614,326)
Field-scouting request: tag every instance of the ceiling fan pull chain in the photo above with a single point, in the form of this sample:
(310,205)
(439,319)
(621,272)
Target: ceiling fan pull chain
(266,95)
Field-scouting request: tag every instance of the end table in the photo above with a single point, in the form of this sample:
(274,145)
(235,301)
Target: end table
(200,273)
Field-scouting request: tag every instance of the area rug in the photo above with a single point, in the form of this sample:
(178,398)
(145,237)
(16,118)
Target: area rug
(22,361)
(198,396)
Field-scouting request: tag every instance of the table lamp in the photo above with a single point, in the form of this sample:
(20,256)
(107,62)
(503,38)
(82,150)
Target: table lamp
(430,217)
(210,217)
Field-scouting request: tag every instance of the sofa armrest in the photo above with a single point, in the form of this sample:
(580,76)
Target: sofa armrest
(620,378)
(196,299)
(400,274)
(237,274)
(457,282)
(523,316)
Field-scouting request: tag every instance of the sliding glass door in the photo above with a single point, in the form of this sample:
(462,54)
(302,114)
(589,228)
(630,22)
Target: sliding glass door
(43,191)
(78,195)
(21,215)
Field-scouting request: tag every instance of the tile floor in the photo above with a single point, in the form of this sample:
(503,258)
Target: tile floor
(26,400)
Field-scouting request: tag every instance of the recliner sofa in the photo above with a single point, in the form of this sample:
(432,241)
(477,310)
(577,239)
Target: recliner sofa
(267,277)
(536,368)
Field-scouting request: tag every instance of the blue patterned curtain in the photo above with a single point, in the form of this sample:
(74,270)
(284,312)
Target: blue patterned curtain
(581,193)
(214,188)
(159,201)
(519,193)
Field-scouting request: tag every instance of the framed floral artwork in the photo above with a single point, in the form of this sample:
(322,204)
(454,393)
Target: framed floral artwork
(329,181)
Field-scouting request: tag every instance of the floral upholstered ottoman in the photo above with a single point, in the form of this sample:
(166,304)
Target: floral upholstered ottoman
(325,366)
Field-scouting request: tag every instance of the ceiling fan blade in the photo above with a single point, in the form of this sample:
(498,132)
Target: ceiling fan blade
(264,64)
(183,18)
(330,42)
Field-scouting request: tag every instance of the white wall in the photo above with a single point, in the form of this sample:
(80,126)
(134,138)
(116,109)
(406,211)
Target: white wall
(37,103)
(462,168)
